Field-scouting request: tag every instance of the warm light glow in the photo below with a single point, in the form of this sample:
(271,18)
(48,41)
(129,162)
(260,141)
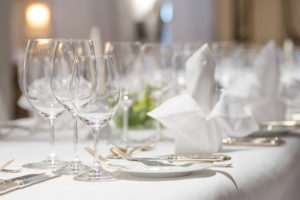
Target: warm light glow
(43,41)
(141,8)
(38,15)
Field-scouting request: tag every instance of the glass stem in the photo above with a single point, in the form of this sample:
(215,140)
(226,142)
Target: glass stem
(52,154)
(96,133)
(75,142)
(125,125)
(157,138)
(157,124)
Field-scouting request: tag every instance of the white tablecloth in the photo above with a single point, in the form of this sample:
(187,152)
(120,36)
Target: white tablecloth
(257,173)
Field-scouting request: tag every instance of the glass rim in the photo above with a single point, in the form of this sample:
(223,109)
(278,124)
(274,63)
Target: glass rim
(124,42)
(157,44)
(59,39)
(96,56)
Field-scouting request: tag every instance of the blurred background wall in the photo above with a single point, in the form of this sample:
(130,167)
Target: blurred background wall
(249,21)
(6,80)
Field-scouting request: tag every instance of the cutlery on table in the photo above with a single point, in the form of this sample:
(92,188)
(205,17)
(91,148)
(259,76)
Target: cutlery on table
(11,170)
(248,141)
(154,163)
(127,152)
(181,158)
(168,158)
(91,151)
(6,164)
(23,181)
(2,168)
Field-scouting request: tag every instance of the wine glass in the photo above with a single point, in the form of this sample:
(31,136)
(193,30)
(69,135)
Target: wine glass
(179,59)
(38,121)
(129,64)
(95,96)
(36,85)
(157,73)
(64,54)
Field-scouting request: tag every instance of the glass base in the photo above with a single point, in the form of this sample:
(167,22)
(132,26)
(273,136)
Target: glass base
(97,175)
(46,164)
(72,168)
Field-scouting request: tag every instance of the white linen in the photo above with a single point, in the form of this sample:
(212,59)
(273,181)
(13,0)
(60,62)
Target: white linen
(200,118)
(291,87)
(257,173)
(260,91)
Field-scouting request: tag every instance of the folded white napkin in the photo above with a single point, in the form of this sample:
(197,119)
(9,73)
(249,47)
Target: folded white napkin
(260,90)
(290,89)
(203,115)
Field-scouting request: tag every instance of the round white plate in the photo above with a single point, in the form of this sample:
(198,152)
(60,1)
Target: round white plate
(157,169)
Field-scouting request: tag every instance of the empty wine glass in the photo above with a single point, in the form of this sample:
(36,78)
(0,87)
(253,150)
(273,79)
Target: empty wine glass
(157,73)
(179,59)
(36,85)
(95,97)
(63,60)
(129,64)
(38,121)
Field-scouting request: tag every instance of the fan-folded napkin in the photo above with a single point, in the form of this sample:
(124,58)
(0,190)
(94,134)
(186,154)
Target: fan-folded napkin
(260,91)
(200,117)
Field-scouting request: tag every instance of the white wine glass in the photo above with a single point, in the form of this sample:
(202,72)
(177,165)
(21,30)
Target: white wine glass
(95,98)
(36,85)
(61,73)
(157,73)
(129,64)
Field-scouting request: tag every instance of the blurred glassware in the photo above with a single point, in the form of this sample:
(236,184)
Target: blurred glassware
(36,79)
(180,56)
(233,60)
(95,96)
(157,74)
(291,79)
(129,64)
(23,103)
(223,54)
(61,73)
(38,123)
(181,53)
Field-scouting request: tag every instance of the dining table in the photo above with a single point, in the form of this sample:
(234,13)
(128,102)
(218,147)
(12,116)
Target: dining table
(257,172)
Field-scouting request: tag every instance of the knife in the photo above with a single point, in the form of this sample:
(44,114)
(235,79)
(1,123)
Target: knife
(192,158)
(23,181)
(260,141)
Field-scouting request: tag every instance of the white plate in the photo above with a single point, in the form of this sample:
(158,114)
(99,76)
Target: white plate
(161,170)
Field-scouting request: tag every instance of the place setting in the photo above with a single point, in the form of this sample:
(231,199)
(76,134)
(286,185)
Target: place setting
(204,118)
(87,87)
(153,99)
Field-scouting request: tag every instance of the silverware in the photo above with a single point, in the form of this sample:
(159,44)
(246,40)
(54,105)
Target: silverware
(261,141)
(171,158)
(118,151)
(2,168)
(11,170)
(20,178)
(91,151)
(127,151)
(287,124)
(179,158)
(23,181)
(6,164)
(156,163)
